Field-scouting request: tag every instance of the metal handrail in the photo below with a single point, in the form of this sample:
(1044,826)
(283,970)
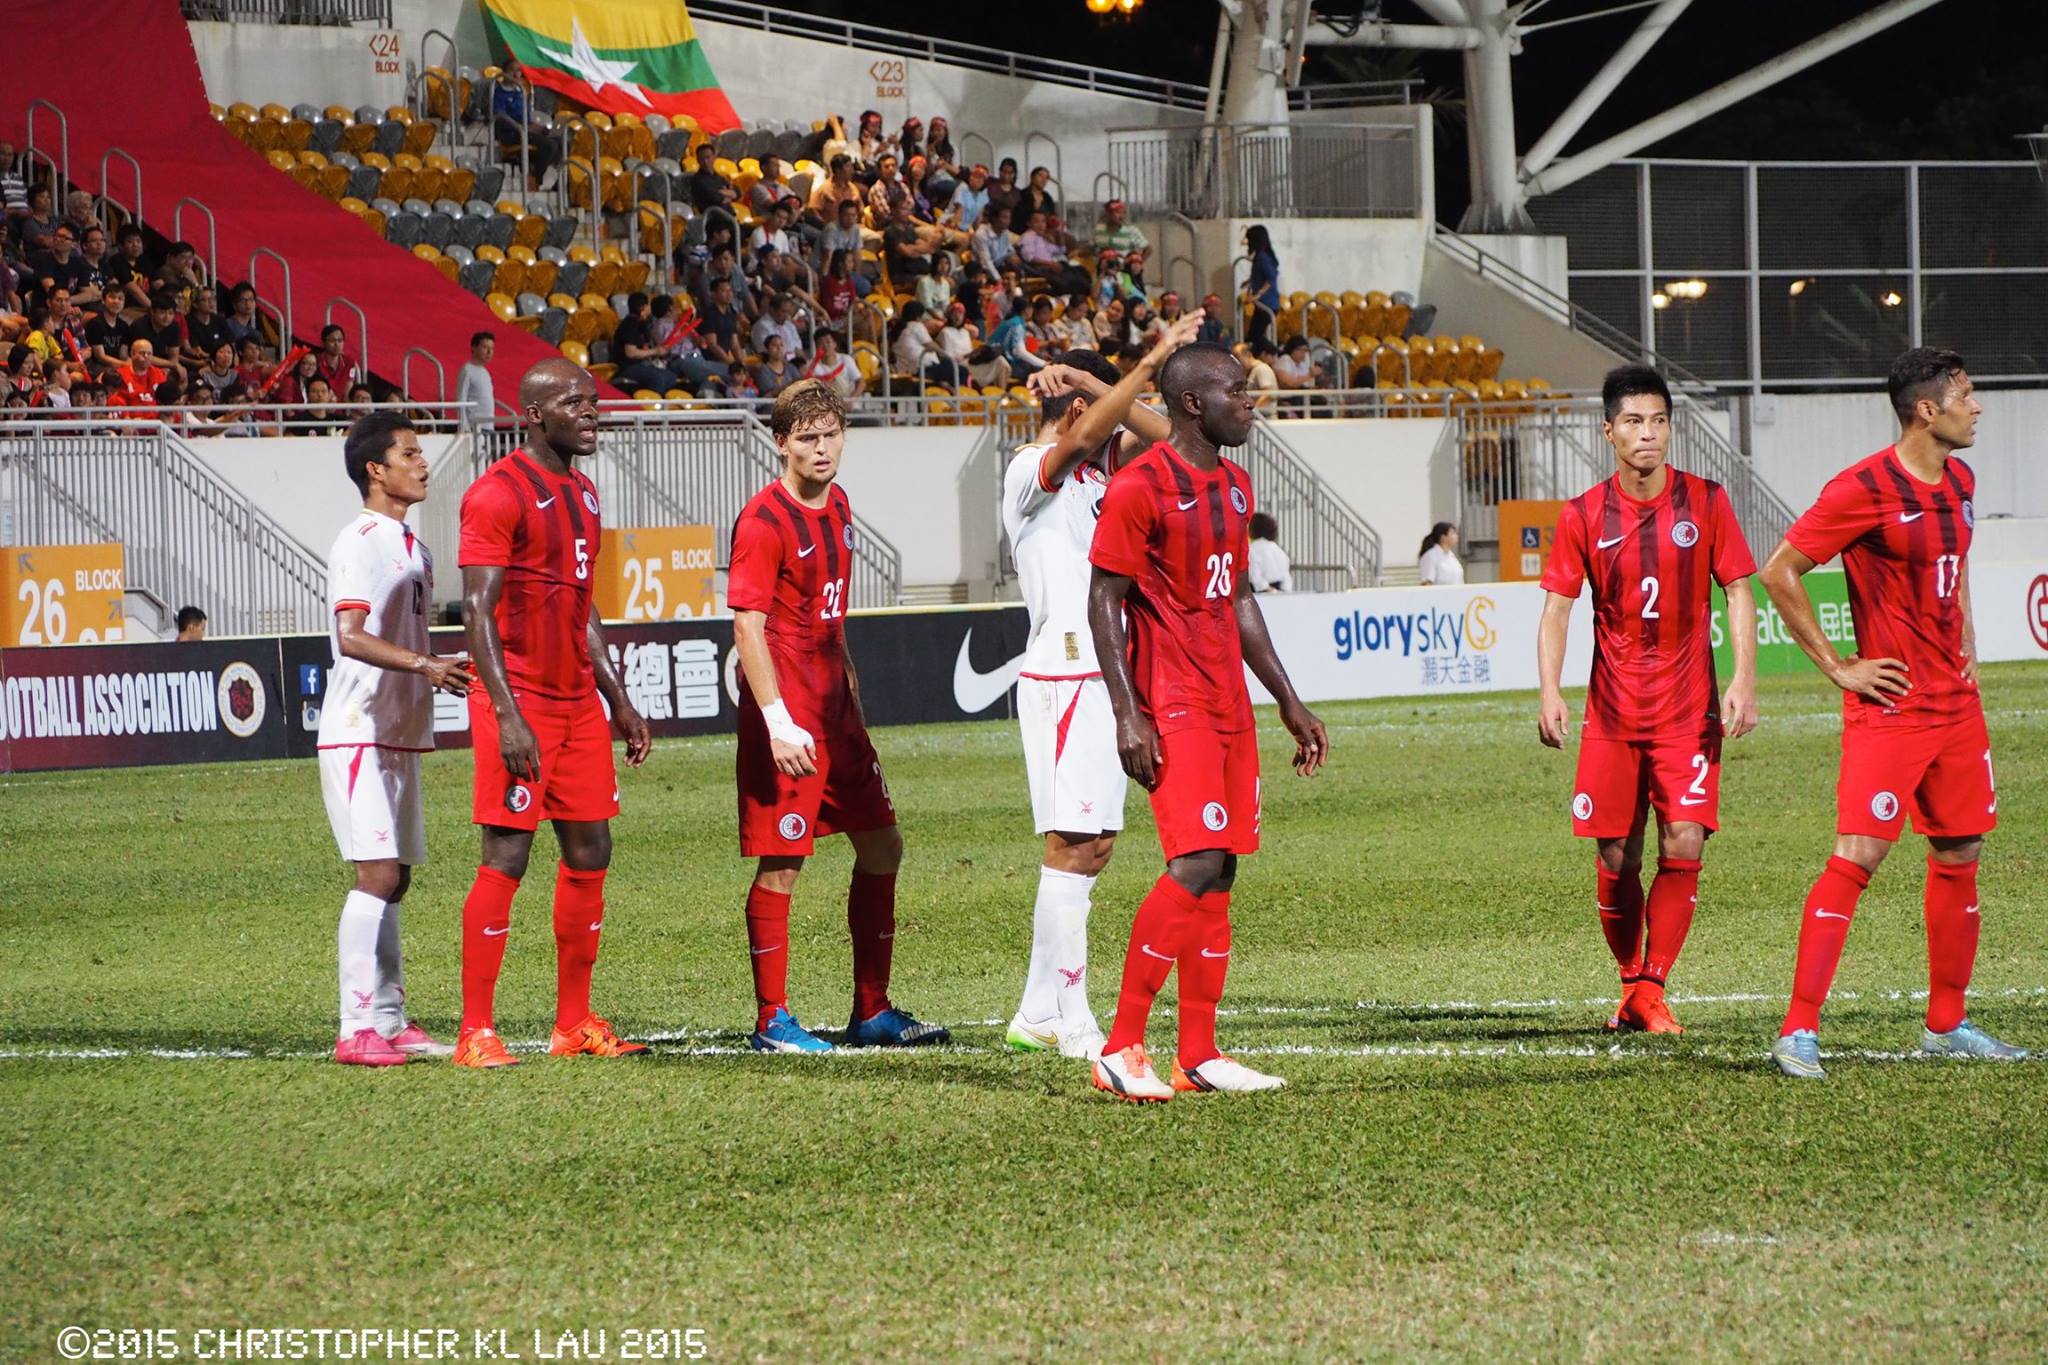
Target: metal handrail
(1349,94)
(525,87)
(988,161)
(212,235)
(440,375)
(1336,320)
(636,176)
(284,311)
(61,164)
(1058,168)
(362,328)
(1193,255)
(135,169)
(1095,189)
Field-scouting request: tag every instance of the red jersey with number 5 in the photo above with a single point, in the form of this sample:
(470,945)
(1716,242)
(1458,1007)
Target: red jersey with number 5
(1181,536)
(1904,546)
(1650,564)
(793,563)
(543,529)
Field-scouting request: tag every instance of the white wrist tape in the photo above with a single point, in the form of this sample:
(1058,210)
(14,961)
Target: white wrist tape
(781,727)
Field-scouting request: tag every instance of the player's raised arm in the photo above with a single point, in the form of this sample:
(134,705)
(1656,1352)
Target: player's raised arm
(626,717)
(1311,741)
(482,586)
(445,673)
(1137,743)
(1109,407)
(1882,680)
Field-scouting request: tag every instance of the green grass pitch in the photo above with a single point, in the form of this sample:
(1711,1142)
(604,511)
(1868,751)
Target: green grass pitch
(1465,1166)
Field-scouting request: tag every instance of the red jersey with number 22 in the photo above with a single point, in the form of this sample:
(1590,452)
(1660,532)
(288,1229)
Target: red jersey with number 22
(1650,564)
(1904,545)
(543,529)
(1181,536)
(793,563)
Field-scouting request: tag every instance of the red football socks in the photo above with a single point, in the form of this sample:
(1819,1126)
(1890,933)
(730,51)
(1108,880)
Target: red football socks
(1673,895)
(871,916)
(1162,926)
(1823,926)
(1952,924)
(1204,961)
(1621,917)
(768,941)
(579,916)
(486,922)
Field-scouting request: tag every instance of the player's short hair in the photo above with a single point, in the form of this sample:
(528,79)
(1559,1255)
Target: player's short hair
(1092,362)
(189,617)
(1922,372)
(479,338)
(368,442)
(805,402)
(1177,375)
(1624,382)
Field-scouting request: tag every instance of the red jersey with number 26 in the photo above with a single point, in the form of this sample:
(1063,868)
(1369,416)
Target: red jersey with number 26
(1181,536)
(1650,564)
(793,563)
(1904,545)
(543,529)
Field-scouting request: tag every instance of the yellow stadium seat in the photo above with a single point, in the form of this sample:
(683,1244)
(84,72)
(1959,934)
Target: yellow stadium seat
(281,160)
(427,251)
(487,252)
(523,254)
(502,305)
(576,351)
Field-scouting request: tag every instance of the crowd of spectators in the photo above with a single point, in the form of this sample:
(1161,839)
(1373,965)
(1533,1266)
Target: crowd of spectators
(98,317)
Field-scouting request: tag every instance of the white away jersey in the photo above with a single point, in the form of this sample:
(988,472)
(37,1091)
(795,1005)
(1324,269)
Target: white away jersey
(1050,530)
(379,566)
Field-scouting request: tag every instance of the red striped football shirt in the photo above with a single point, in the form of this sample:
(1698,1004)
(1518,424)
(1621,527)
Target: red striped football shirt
(1650,564)
(794,563)
(1904,546)
(1181,536)
(543,529)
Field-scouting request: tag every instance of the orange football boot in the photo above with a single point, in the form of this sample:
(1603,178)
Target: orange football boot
(592,1038)
(1652,1014)
(483,1049)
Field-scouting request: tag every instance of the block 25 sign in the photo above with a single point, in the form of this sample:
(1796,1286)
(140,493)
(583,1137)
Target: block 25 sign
(658,573)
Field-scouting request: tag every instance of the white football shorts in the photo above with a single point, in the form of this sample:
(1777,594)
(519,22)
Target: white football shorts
(374,803)
(1077,780)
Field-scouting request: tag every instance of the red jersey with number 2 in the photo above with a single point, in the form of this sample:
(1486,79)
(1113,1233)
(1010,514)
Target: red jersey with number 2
(1650,564)
(793,563)
(1181,536)
(543,529)
(1904,545)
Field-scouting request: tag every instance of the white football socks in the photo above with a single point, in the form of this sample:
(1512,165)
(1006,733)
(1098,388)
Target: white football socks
(389,1007)
(1057,982)
(361,915)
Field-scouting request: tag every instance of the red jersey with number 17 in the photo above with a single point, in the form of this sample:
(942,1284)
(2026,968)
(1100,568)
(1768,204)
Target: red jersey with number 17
(1181,536)
(1650,563)
(793,563)
(543,529)
(1904,545)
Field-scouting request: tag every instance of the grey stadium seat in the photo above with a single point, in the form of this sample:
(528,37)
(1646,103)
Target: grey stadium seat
(439,230)
(553,253)
(470,230)
(732,144)
(390,137)
(553,323)
(405,229)
(326,136)
(362,183)
(569,279)
(419,206)
(761,142)
(674,144)
(476,277)
(387,207)
(532,305)
(562,230)
(499,233)
(458,253)
(489,181)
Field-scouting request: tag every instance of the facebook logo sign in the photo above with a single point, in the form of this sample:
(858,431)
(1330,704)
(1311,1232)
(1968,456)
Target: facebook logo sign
(309,680)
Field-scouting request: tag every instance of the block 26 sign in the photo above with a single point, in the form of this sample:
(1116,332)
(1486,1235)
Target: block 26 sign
(61,594)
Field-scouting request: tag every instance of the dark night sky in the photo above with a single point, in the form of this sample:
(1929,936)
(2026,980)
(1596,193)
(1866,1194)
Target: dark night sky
(1957,81)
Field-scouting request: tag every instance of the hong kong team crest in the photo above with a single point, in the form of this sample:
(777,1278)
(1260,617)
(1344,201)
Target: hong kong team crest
(791,826)
(1582,806)
(518,798)
(1214,816)
(1969,513)
(1685,535)
(1885,806)
(590,501)
(1237,500)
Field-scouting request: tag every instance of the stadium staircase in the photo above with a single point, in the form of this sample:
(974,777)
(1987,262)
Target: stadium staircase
(134,122)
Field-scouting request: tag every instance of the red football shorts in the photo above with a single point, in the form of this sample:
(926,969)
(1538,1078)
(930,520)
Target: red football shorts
(1208,792)
(1940,773)
(1621,780)
(781,816)
(577,778)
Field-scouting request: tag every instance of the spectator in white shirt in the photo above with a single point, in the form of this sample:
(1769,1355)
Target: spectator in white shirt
(993,245)
(1257,356)
(779,321)
(475,397)
(1439,566)
(831,366)
(1270,569)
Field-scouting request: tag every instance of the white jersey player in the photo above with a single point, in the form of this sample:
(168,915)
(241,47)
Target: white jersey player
(1052,494)
(376,720)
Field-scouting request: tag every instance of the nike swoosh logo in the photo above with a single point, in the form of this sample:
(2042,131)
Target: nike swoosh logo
(806,551)
(545,503)
(758,951)
(1609,544)
(974,691)
(1146,949)
(1828,914)
(1189,503)
(596,926)
(1207,953)
(1969,909)
(1912,516)
(890,934)
(1692,800)
(496,933)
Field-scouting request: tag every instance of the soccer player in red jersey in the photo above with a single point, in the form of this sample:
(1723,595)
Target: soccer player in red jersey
(1650,541)
(530,529)
(1913,735)
(1175,625)
(806,767)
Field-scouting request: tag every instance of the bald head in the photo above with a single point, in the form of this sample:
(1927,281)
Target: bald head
(558,400)
(551,377)
(1190,368)
(1206,399)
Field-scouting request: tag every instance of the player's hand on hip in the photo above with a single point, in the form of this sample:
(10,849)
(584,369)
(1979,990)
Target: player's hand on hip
(1970,662)
(1311,741)
(517,747)
(1881,680)
(448,673)
(633,727)
(1738,711)
(1137,744)
(1552,721)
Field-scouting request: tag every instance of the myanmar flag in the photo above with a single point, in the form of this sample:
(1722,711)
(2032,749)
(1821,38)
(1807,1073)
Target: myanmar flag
(620,56)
